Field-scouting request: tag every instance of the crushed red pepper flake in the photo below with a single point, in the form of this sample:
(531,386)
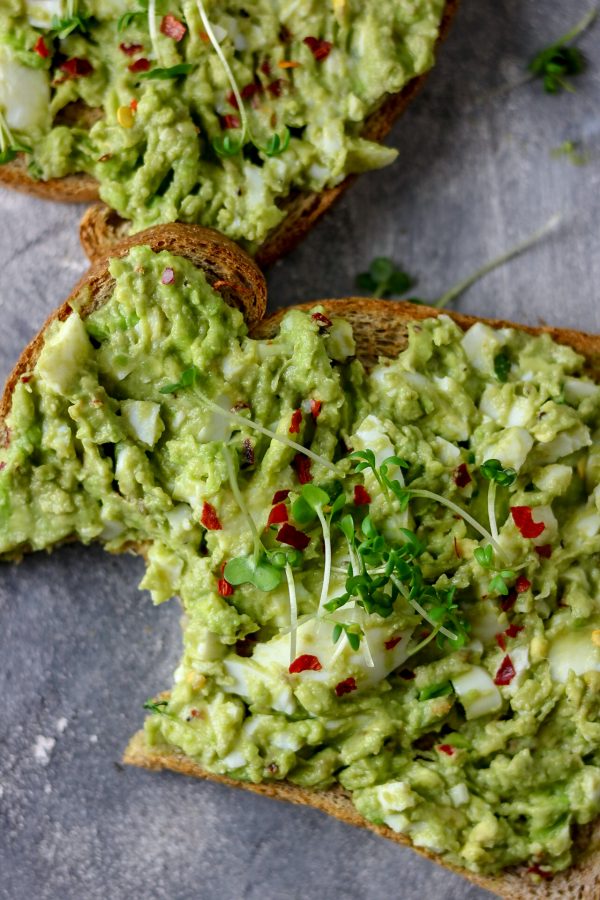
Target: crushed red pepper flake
(173,28)
(130,49)
(545,551)
(40,48)
(76,67)
(536,870)
(287,534)
(501,641)
(322,320)
(457,549)
(505,673)
(301,465)
(522,584)
(361,495)
(315,408)
(513,630)
(275,88)
(319,48)
(140,65)
(305,662)
(461,476)
(209,517)
(523,519)
(224,588)
(392,642)
(345,687)
(133,104)
(279,496)
(277,515)
(507,603)
(295,421)
(230,120)
(448,749)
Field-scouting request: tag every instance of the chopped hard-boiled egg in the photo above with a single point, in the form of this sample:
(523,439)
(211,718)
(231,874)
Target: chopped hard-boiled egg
(142,420)
(477,692)
(24,95)
(574,651)
(41,12)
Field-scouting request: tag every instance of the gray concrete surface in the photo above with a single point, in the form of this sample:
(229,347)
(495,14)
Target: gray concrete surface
(81,649)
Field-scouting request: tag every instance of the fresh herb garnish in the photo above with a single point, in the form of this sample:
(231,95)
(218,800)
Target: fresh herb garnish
(188,379)
(163,74)
(498,583)
(560,60)
(484,556)
(502,366)
(62,28)
(435,690)
(494,471)
(384,279)
(156,706)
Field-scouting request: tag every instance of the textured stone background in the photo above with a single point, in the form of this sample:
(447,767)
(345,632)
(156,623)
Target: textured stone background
(81,649)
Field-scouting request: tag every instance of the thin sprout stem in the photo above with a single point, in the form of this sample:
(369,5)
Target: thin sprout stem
(231,474)
(422,611)
(429,495)
(152,28)
(230,76)
(341,643)
(424,642)
(293,611)
(241,420)
(577,30)
(368,655)
(327,564)
(492,509)
(466,283)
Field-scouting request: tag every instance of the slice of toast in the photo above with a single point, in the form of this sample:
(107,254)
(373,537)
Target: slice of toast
(380,329)
(101,226)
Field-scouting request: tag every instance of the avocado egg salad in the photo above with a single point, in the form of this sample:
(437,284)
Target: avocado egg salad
(389,575)
(205,112)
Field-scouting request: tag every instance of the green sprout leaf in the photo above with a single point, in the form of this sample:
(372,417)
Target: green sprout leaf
(560,60)
(156,706)
(498,583)
(162,74)
(64,27)
(502,366)
(247,570)
(384,279)
(435,690)
(493,470)
(188,378)
(311,498)
(484,556)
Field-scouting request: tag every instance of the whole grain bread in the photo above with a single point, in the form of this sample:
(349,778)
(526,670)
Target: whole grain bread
(101,227)
(380,329)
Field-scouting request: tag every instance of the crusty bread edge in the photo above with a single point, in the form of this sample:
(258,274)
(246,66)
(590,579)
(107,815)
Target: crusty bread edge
(100,226)
(228,268)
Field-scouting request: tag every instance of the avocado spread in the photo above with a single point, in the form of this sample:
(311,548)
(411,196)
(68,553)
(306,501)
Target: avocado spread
(390,577)
(201,111)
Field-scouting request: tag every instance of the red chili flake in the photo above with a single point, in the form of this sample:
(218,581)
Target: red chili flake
(507,603)
(204,37)
(345,687)
(457,549)
(26,378)
(230,121)
(322,320)
(224,588)
(40,48)
(140,65)
(304,663)
(315,408)
(513,630)
(361,495)
(522,584)
(134,104)
(168,276)
(295,421)
(523,519)
(461,476)
(172,27)
(251,90)
(393,642)
(265,67)
(506,672)
(448,749)
(535,870)
(301,465)
(248,452)
(275,88)
(287,534)
(196,714)
(209,517)
(77,68)
(320,49)
(545,551)
(277,515)
(130,49)
(501,641)
(232,100)
(280,496)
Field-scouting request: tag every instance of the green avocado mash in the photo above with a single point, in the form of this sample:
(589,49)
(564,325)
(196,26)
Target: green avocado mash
(174,141)
(390,577)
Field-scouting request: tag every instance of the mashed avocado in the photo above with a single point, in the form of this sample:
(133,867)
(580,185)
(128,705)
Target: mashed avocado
(166,143)
(390,577)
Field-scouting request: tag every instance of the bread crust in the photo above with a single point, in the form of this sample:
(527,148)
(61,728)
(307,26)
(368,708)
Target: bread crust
(380,330)
(101,227)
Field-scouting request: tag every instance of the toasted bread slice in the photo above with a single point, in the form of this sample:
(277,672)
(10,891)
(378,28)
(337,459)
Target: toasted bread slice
(101,227)
(380,329)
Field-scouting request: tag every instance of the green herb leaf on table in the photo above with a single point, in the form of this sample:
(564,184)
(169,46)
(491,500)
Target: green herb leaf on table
(558,62)
(384,279)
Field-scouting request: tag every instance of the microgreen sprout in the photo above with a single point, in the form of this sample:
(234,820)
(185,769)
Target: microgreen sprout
(502,366)
(353,636)
(9,146)
(498,583)
(384,279)
(163,74)
(188,378)
(560,60)
(496,474)
(156,706)
(228,146)
(484,556)
(314,501)
(62,28)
